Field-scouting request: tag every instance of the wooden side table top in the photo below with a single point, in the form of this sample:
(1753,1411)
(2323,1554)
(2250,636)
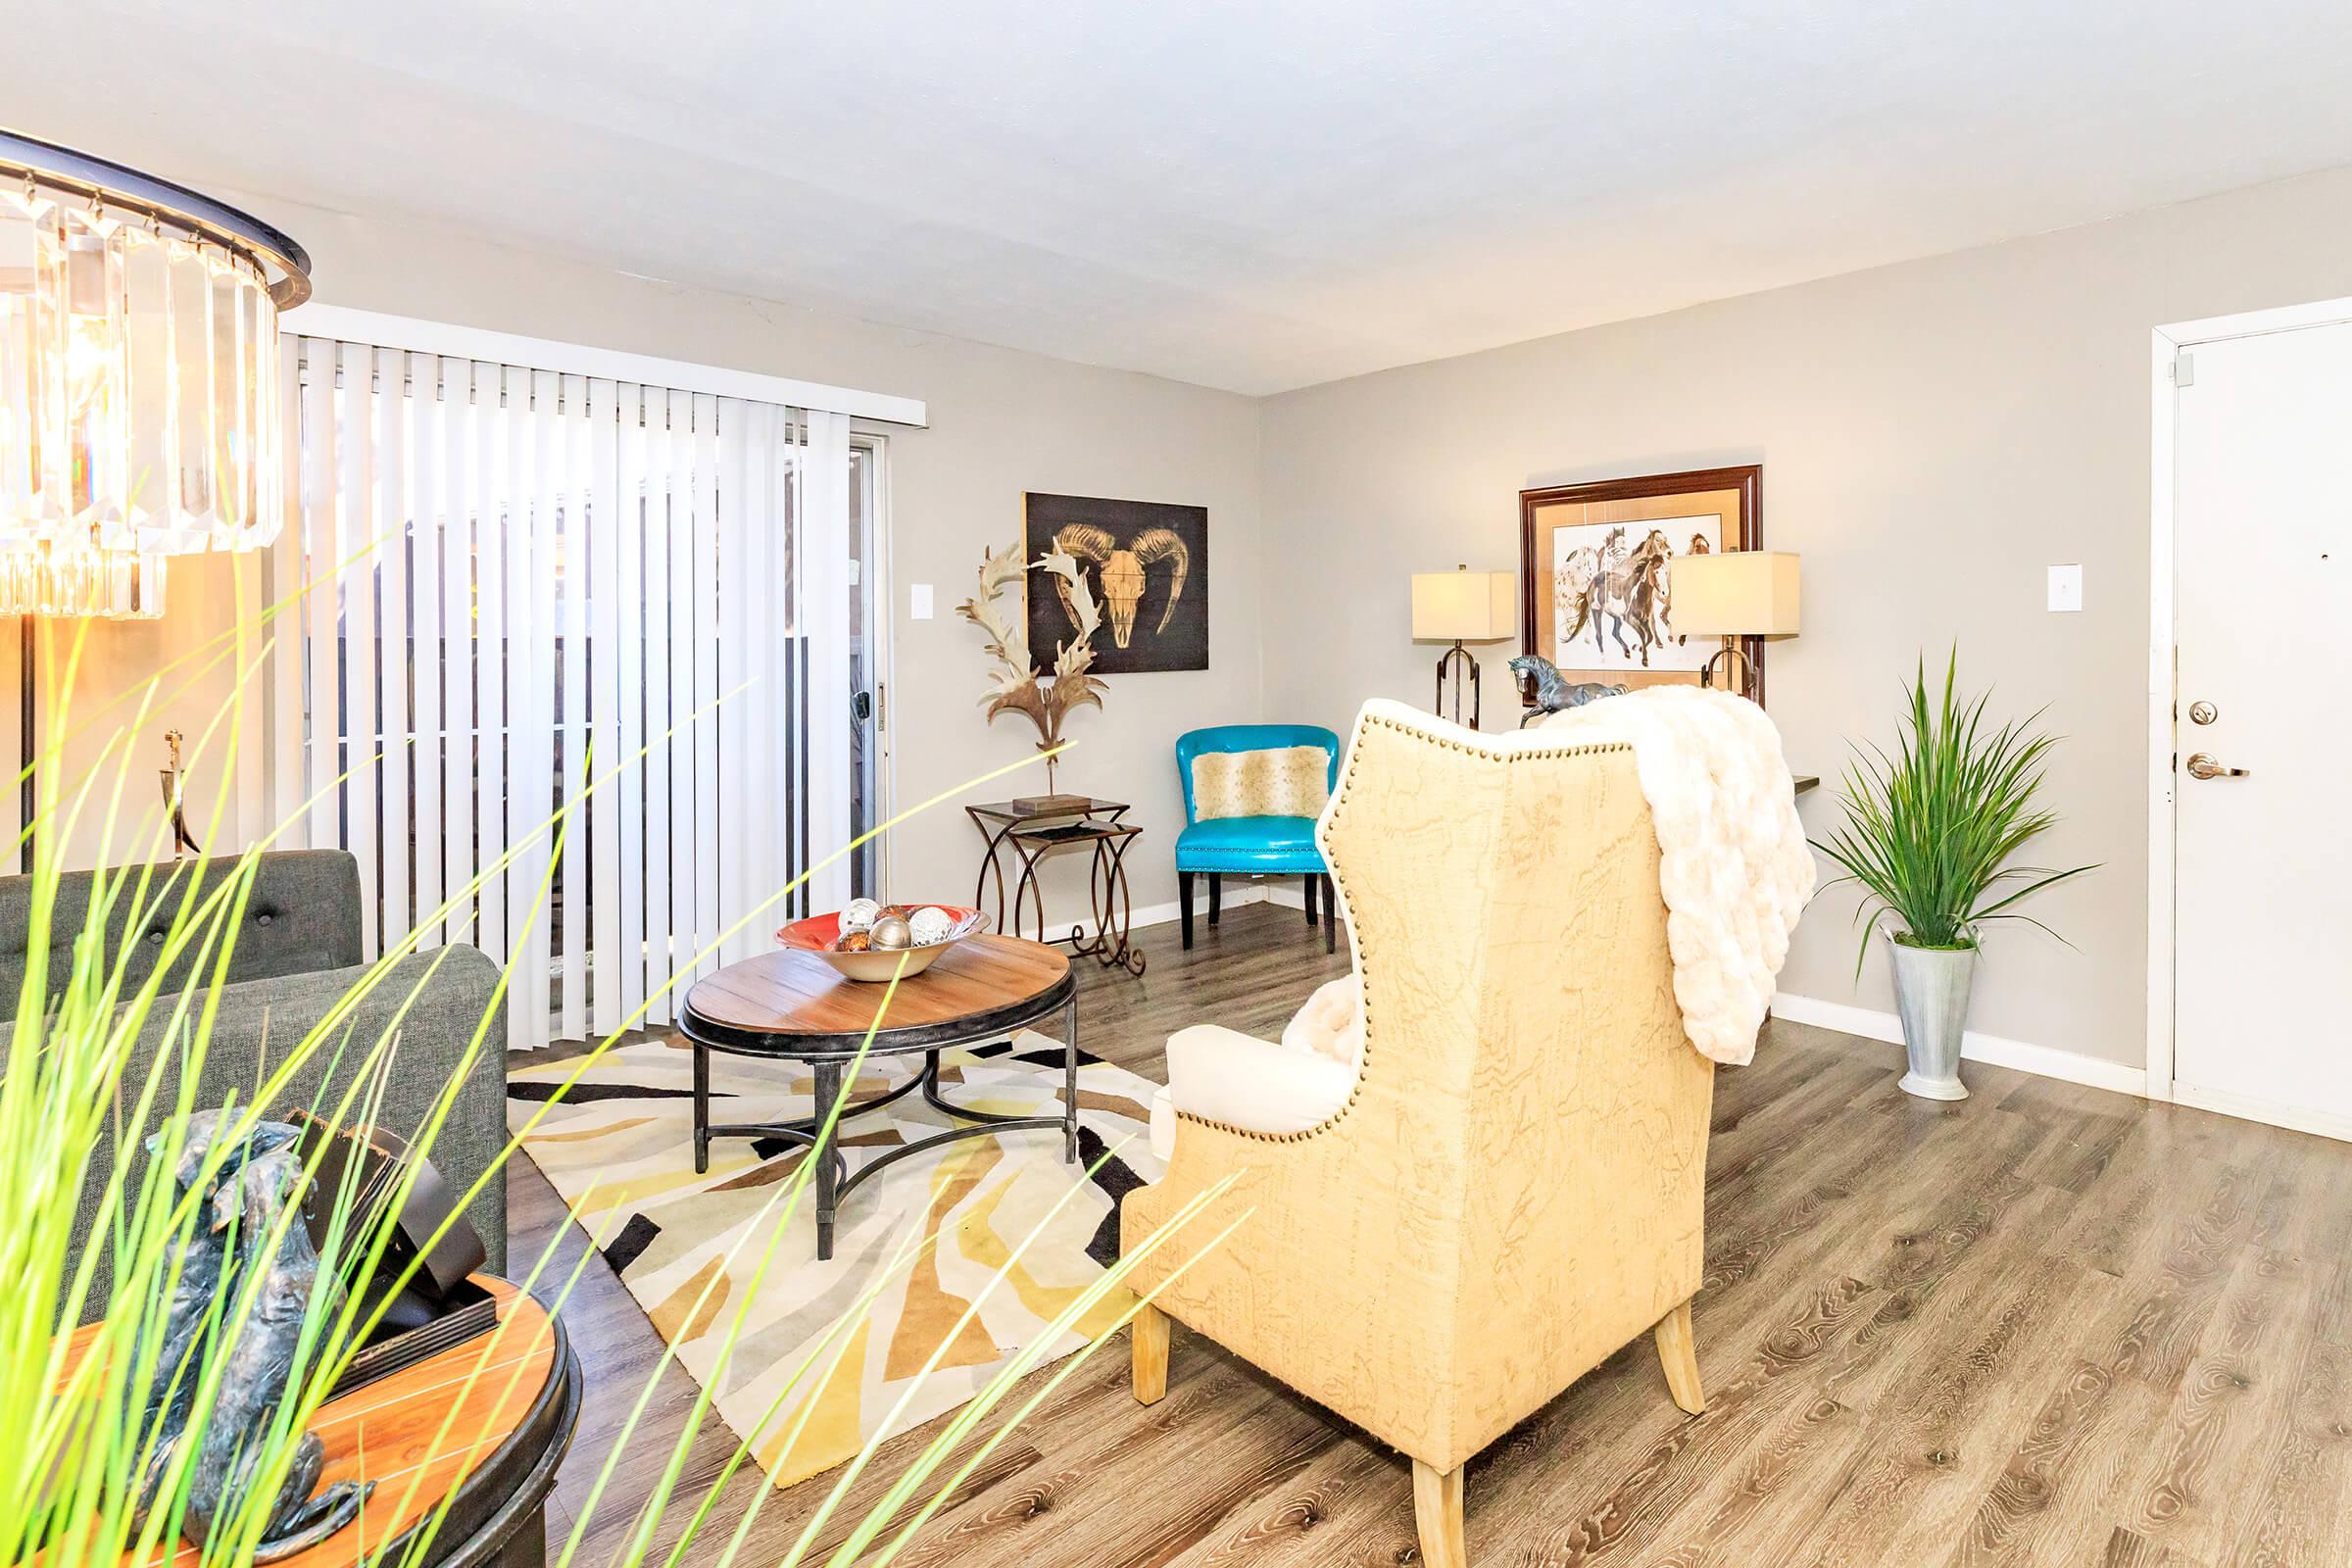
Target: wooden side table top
(1068,806)
(797,1004)
(493,1415)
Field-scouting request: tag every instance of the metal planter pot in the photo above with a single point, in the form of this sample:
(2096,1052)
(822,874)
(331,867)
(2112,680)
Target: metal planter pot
(1930,993)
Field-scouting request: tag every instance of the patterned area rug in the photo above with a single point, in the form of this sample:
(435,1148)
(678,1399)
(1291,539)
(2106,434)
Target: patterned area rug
(619,1148)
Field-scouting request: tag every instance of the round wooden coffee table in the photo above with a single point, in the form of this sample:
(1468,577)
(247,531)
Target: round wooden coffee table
(796,1006)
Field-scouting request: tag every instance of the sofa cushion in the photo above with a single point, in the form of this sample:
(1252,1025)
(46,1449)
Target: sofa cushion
(1270,781)
(1268,844)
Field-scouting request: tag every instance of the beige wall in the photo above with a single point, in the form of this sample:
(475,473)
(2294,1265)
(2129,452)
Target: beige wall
(132,682)
(1000,422)
(1933,436)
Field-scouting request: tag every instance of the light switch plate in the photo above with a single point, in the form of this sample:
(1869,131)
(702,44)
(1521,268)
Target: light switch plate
(918,601)
(2066,587)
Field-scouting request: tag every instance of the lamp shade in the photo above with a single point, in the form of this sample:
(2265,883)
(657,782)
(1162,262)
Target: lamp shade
(1738,593)
(1465,607)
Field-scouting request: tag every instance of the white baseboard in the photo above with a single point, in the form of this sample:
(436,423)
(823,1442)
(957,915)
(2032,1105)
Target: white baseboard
(2046,1062)
(2295,1118)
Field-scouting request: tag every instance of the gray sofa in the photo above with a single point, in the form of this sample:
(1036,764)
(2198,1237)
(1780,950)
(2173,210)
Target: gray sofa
(297,955)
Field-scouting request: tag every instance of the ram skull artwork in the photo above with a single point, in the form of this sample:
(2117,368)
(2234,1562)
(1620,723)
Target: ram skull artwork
(1124,572)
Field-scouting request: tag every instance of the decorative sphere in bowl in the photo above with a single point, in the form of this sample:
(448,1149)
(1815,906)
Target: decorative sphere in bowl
(866,956)
(859,914)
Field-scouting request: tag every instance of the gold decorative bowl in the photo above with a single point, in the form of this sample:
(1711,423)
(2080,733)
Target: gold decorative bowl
(820,934)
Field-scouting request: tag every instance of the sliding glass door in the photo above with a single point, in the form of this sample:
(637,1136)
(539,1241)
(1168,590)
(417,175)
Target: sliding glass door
(531,589)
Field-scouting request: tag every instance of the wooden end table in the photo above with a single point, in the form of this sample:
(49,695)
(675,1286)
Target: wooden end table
(493,1458)
(1030,834)
(794,1006)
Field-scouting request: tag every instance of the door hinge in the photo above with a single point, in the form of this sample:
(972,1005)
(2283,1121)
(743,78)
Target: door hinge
(2184,369)
(881,706)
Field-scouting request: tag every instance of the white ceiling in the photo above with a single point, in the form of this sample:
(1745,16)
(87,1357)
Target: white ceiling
(1255,195)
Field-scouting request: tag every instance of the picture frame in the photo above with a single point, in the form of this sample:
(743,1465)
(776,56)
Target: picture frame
(1147,564)
(1596,572)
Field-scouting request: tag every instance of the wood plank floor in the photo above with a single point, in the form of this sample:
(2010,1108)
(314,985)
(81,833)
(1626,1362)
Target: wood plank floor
(2046,1325)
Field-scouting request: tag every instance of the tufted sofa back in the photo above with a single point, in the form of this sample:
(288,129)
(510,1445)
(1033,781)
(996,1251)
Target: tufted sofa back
(303,915)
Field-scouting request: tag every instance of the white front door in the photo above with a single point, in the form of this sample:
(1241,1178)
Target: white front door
(2263,891)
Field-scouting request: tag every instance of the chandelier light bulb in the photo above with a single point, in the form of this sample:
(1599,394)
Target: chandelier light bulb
(140,409)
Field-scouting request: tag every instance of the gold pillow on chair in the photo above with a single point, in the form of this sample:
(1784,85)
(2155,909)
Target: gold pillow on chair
(1277,782)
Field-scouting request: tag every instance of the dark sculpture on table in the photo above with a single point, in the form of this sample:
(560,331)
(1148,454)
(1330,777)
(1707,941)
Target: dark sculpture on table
(250,1187)
(1554,691)
(192,1274)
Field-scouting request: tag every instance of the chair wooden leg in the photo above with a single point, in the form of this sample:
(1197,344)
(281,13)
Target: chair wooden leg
(1438,1516)
(1677,1353)
(1310,881)
(1216,896)
(1150,1333)
(1331,916)
(1183,901)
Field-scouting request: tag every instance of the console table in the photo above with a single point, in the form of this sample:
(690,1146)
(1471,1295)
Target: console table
(1030,834)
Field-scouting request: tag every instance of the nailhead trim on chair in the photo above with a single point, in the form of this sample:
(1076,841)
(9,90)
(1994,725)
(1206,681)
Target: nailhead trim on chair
(1339,883)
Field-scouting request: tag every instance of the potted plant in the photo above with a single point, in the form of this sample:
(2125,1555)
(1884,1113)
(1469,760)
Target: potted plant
(124,1333)
(1929,835)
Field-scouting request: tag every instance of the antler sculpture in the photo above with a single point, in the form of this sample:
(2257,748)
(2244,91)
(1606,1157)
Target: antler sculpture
(1124,571)
(1013,684)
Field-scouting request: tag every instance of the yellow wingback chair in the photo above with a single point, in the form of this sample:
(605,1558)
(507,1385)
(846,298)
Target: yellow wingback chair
(1511,1185)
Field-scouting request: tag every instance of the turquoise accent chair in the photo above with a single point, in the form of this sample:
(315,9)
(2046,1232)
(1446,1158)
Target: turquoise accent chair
(1257,846)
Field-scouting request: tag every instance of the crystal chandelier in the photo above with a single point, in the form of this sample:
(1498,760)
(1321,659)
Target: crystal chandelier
(140,400)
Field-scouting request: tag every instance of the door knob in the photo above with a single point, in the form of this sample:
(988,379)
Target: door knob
(2201,765)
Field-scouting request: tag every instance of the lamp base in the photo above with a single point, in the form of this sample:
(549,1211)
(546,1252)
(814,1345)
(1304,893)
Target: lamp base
(1747,681)
(1446,665)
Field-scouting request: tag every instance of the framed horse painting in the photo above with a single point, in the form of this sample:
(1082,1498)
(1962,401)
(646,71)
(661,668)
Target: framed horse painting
(1596,571)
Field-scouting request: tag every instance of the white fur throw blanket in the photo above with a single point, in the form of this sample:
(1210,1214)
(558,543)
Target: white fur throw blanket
(1733,863)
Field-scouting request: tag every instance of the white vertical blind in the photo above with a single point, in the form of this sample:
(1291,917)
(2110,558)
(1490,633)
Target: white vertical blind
(431,489)
(823,628)
(389,432)
(631,614)
(703,654)
(540,773)
(516,571)
(461,484)
(355,539)
(493,532)
(572,694)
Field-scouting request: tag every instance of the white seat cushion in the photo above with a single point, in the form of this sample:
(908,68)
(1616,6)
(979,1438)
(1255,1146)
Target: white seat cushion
(1263,1086)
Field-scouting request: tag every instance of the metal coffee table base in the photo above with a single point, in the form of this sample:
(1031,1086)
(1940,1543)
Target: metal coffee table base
(834,1179)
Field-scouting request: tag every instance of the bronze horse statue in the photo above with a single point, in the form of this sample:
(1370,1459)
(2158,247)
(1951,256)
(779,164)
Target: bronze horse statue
(1554,691)
(277,1277)
(191,1279)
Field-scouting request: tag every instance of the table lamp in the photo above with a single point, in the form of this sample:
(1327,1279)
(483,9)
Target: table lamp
(1460,607)
(1734,593)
